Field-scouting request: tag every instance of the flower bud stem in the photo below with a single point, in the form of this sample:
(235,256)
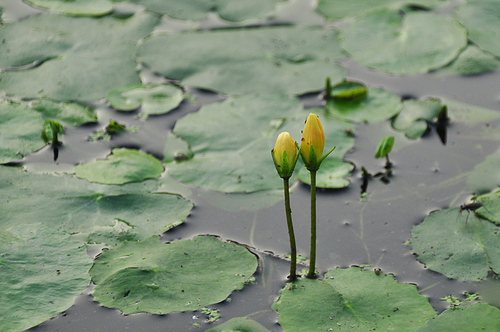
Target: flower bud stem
(293,248)
(312,255)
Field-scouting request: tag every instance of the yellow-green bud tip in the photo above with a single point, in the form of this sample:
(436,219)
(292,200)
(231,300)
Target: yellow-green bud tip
(312,135)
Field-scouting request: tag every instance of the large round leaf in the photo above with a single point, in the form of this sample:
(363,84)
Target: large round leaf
(289,60)
(20,129)
(352,300)
(121,166)
(43,270)
(82,58)
(407,44)
(458,244)
(232,141)
(75,7)
(482,19)
(150,276)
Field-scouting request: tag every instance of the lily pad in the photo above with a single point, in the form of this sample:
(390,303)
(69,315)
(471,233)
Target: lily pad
(20,129)
(471,61)
(150,276)
(70,114)
(341,8)
(155,99)
(75,7)
(491,206)
(331,174)
(486,176)
(96,55)
(285,60)
(376,105)
(405,44)
(413,118)
(231,141)
(43,271)
(352,300)
(470,115)
(121,166)
(475,317)
(482,20)
(458,244)
(239,324)
(195,10)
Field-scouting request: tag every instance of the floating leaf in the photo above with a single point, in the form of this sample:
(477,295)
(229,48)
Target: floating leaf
(471,61)
(352,300)
(348,90)
(233,10)
(491,206)
(176,149)
(482,20)
(341,8)
(121,166)
(413,118)
(155,99)
(75,7)
(43,271)
(376,105)
(405,44)
(331,174)
(232,140)
(239,324)
(285,60)
(70,114)
(150,276)
(458,245)
(95,55)
(486,175)
(20,129)
(475,317)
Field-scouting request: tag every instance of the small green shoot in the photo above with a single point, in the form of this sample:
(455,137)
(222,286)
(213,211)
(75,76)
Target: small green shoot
(196,325)
(453,301)
(471,297)
(384,148)
(407,243)
(213,315)
(113,128)
(51,131)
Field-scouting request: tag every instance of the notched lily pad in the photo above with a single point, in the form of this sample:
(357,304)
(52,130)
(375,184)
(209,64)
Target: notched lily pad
(352,299)
(121,166)
(458,244)
(150,276)
(404,44)
(331,174)
(43,270)
(413,118)
(154,98)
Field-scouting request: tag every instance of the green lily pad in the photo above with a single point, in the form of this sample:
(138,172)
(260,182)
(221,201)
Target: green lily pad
(469,114)
(103,214)
(70,114)
(475,317)
(155,99)
(471,61)
(376,105)
(231,141)
(413,118)
(75,7)
(239,324)
(486,176)
(491,206)
(405,44)
(341,8)
(43,271)
(458,244)
(348,90)
(121,166)
(284,60)
(352,300)
(150,276)
(331,174)
(20,129)
(482,20)
(96,55)
(195,10)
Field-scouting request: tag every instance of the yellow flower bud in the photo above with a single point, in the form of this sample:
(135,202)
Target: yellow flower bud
(284,154)
(312,136)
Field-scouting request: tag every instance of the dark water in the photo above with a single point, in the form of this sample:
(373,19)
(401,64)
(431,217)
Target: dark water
(428,175)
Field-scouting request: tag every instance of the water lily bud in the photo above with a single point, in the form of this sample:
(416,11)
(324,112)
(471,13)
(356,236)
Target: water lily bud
(313,142)
(284,155)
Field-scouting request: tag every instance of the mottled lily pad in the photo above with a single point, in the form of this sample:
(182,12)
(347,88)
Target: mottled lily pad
(121,166)
(43,270)
(286,60)
(404,44)
(352,300)
(161,278)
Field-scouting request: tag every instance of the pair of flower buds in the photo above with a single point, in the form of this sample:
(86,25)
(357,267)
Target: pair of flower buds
(311,148)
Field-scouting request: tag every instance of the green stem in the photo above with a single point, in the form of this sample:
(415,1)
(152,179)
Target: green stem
(293,248)
(312,256)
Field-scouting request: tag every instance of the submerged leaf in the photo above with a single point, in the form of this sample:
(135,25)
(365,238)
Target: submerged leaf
(150,276)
